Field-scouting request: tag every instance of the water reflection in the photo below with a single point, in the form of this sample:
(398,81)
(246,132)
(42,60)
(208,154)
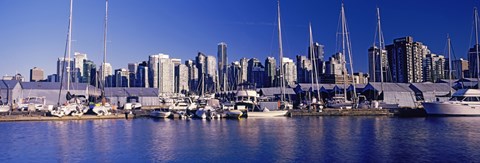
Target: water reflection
(300,139)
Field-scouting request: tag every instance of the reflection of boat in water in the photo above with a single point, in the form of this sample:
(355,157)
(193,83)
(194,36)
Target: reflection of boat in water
(160,113)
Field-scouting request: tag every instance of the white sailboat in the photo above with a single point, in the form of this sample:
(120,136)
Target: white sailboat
(345,49)
(315,102)
(284,105)
(464,102)
(72,106)
(104,107)
(382,64)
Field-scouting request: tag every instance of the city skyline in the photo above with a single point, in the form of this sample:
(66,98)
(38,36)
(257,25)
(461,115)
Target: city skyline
(248,27)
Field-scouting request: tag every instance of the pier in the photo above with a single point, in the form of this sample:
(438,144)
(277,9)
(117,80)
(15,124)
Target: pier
(343,112)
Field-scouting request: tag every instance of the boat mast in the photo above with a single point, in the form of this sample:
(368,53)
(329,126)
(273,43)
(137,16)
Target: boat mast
(312,60)
(104,49)
(280,45)
(449,64)
(381,48)
(314,65)
(69,48)
(476,46)
(346,48)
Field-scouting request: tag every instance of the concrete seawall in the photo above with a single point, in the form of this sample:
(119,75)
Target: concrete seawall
(345,112)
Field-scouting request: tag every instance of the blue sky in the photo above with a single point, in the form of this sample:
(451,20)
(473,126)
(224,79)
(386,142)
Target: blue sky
(33,32)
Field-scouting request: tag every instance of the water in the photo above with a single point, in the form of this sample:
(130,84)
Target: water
(298,139)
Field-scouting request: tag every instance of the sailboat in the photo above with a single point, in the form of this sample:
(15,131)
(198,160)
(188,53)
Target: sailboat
(104,107)
(345,49)
(284,105)
(73,105)
(464,102)
(380,52)
(315,102)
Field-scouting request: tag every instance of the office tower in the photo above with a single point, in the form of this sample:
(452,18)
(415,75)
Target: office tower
(256,72)
(290,70)
(211,74)
(89,71)
(36,74)
(163,79)
(106,71)
(405,59)
(318,54)
(380,65)
(79,59)
(181,79)
(433,67)
(270,71)
(153,68)
(459,69)
(334,66)
(62,66)
(222,66)
(304,69)
(122,77)
(235,75)
(192,75)
(142,76)
(132,73)
(244,71)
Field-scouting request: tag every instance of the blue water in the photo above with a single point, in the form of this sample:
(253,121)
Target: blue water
(298,139)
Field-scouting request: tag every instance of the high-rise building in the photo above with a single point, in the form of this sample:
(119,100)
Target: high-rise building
(472,61)
(142,75)
(62,69)
(164,79)
(122,78)
(192,75)
(211,76)
(244,71)
(222,66)
(132,73)
(89,73)
(290,70)
(433,67)
(405,59)
(318,54)
(304,69)
(377,64)
(36,74)
(181,79)
(234,75)
(256,72)
(459,69)
(335,65)
(270,71)
(79,59)
(106,74)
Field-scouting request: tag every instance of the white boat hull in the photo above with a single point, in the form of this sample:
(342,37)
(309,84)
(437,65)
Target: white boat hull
(275,113)
(160,114)
(102,110)
(4,108)
(234,114)
(451,108)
